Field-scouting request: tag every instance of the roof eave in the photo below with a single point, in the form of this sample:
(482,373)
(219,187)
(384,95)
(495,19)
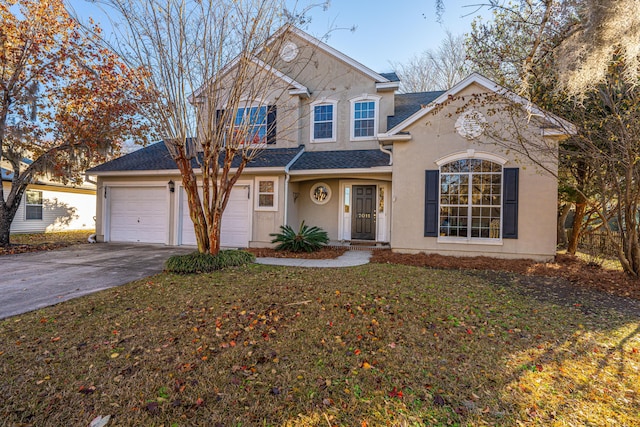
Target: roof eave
(387,137)
(387,86)
(161,172)
(343,171)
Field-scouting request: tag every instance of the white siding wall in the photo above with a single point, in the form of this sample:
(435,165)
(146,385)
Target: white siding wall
(61,211)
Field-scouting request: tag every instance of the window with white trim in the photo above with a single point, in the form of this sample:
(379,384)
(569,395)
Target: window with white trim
(471,199)
(267,197)
(33,205)
(252,122)
(364,117)
(323,121)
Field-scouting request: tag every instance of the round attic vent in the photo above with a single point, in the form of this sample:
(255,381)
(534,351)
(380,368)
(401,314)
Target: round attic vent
(471,124)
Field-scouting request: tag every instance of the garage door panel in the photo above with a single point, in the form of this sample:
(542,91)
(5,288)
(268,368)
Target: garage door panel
(138,214)
(235,220)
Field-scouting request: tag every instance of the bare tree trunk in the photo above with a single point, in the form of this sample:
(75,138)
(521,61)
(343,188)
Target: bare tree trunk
(190,184)
(214,237)
(576,230)
(5,227)
(562,219)
(8,211)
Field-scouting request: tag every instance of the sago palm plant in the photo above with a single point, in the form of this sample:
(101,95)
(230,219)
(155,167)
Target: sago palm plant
(307,238)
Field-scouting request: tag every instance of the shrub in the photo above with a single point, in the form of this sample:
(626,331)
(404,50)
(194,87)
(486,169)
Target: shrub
(197,262)
(307,238)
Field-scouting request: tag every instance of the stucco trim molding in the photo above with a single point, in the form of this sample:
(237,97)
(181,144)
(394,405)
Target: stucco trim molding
(471,154)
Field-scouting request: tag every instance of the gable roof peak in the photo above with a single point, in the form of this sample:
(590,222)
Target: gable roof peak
(477,78)
(377,77)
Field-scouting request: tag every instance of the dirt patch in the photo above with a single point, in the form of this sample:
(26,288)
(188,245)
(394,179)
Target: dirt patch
(567,267)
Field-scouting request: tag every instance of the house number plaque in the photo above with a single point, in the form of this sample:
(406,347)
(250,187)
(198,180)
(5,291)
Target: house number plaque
(364,215)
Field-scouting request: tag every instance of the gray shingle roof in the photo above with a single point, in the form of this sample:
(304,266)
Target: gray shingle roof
(345,159)
(157,157)
(408,104)
(392,77)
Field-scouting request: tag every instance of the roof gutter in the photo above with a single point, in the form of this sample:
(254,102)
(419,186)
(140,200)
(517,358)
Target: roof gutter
(162,172)
(393,137)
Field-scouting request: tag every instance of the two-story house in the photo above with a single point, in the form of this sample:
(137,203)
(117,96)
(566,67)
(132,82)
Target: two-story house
(360,160)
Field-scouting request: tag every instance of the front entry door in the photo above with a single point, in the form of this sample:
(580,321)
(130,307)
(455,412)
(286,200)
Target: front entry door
(363,218)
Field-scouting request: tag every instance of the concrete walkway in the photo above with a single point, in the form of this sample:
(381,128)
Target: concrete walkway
(348,259)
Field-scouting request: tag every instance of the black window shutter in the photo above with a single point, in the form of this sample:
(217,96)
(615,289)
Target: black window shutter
(431,185)
(510,203)
(272,111)
(219,114)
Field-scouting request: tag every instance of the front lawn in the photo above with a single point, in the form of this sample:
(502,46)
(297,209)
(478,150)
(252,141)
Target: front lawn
(374,345)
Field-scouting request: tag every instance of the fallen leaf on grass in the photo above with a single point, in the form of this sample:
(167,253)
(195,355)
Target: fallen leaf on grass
(86,390)
(438,400)
(152,407)
(396,393)
(100,421)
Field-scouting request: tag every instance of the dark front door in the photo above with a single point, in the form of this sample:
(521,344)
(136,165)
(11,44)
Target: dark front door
(363,218)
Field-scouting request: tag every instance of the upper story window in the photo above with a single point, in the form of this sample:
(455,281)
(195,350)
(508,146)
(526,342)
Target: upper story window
(471,199)
(364,117)
(252,124)
(323,128)
(33,205)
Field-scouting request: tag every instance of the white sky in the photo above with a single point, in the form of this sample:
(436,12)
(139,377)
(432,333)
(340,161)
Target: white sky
(386,30)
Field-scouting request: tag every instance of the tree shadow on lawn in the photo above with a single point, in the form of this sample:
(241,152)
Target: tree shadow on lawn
(589,376)
(379,344)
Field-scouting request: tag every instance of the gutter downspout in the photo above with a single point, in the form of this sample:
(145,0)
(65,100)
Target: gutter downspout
(286,183)
(386,151)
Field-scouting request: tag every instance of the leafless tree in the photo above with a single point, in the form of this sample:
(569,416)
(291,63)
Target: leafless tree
(208,63)
(438,69)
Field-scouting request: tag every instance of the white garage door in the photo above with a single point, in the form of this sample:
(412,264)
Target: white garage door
(138,214)
(235,220)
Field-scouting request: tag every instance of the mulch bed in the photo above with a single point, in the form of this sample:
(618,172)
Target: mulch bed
(567,267)
(22,249)
(324,253)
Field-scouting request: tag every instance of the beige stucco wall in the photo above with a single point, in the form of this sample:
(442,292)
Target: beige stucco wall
(433,138)
(324,216)
(326,77)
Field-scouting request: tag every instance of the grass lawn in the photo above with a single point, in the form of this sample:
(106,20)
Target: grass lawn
(375,345)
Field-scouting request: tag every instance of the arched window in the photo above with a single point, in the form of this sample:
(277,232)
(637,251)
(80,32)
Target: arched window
(471,199)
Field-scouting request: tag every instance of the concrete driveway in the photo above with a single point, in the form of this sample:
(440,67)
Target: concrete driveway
(39,279)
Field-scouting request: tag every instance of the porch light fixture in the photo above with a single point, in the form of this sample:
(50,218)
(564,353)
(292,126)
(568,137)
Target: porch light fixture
(172,186)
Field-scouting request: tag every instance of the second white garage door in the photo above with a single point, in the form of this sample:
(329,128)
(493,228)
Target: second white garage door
(235,220)
(138,214)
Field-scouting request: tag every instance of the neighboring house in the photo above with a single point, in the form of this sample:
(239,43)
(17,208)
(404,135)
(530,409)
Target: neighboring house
(48,206)
(352,156)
